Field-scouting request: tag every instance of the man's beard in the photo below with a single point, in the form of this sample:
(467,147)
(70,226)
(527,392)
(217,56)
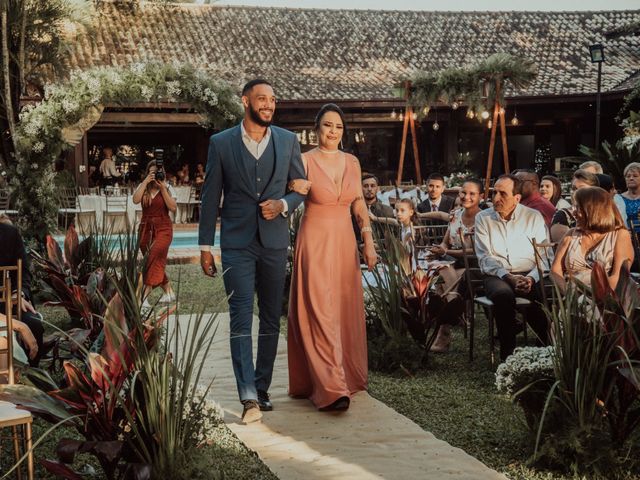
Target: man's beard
(255,116)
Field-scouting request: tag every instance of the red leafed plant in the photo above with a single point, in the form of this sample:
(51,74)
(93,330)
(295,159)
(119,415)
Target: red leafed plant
(97,398)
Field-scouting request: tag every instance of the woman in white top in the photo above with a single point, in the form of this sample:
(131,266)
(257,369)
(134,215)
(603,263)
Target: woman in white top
(600,236)
(463,219)
(551,189)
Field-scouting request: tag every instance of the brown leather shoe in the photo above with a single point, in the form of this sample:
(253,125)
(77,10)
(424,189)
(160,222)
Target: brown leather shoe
(251,412)
(443,340)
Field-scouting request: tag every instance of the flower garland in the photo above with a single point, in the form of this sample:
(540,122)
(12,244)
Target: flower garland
(40,140)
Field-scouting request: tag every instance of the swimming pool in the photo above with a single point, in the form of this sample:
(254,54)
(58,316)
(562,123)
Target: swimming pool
(181,240)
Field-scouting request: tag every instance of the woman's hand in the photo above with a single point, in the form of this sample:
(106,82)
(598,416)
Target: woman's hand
(370,256)
(438,250)
(27,338)
(150,178)
(299,185)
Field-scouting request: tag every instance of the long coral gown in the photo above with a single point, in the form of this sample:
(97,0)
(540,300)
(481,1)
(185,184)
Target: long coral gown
(156,233)
(326,335)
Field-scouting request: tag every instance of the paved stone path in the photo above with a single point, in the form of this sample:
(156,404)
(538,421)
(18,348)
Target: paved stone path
(369,441)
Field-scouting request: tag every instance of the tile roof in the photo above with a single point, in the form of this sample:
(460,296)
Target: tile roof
(314,54)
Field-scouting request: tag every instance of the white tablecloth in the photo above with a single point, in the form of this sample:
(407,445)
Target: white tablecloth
(184,210)
(98,203)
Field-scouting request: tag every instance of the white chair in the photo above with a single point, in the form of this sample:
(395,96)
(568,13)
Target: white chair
(5,200)
(116,216)
(10,415)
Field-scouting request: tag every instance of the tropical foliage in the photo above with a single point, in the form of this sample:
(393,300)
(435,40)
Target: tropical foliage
(479,86)
(590,411)
(626,150)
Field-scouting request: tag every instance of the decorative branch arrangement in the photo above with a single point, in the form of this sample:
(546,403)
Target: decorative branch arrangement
(479,87)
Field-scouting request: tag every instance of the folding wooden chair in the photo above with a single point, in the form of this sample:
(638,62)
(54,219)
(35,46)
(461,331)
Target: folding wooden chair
(117,209)
(474,279)
(5,204)
(10,415)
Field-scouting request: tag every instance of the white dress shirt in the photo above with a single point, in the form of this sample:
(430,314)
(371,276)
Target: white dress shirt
(108,168)
(504,246)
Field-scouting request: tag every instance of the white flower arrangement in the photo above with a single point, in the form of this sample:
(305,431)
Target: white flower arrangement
(456,179)
(204,414)
(524,366)
(39,135)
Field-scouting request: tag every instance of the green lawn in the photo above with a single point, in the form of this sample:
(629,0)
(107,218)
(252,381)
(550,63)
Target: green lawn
(452,398)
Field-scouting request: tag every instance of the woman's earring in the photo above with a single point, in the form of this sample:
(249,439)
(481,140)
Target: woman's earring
(341,145)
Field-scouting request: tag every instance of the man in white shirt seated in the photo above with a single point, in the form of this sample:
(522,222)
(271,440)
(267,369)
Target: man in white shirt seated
(503,236)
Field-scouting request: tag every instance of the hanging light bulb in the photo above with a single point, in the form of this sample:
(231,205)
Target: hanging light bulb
(489,124)
(470,113)
(361,136)
(484,114)
(393,114)
(425,111)
(514,120)
(414,115)
(401,116)
(455,105)
(436,126)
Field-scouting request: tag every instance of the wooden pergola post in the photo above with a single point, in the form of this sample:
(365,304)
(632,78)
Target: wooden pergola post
(408,122)
(498,114)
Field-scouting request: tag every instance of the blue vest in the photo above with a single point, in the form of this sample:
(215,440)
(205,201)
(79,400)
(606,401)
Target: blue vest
(261,170)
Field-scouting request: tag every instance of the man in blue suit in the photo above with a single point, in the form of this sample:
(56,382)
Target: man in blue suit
(252,164)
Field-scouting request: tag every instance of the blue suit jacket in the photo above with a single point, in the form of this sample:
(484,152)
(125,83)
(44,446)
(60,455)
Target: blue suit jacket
(241,218)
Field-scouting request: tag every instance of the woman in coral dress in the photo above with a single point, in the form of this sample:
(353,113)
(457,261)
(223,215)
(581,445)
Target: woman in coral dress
(156,232)
(326,335)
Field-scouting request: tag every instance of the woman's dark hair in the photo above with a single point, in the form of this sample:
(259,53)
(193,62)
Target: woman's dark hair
(331,107)
(476,181)
(557,188)
(146,196)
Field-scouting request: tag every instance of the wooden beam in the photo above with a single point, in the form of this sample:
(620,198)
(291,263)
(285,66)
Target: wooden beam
(149,117)
(492,144)
(414,137)
(503,136)
(403,145)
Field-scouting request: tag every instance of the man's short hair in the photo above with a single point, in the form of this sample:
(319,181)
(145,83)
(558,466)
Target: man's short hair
(517,183)
(589,178)
(369,176)
(252,83)
(591,164)
(435,176)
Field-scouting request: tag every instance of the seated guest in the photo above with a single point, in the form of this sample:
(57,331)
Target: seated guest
(600,236)
(436,201)
(22,335)
(406,214)
(12,250)
(452,245)
(183,174)
(631,197)
(503,236)
(591,166)
(551,189)
(531,195)
(377,209)
(564,218)
(198,178)
(606,183)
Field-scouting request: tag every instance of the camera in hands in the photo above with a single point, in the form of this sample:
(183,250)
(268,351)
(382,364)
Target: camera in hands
(158,154)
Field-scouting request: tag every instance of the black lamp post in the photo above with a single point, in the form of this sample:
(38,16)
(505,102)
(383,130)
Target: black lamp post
(597,56)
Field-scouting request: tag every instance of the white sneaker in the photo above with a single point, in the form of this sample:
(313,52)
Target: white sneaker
(168,298)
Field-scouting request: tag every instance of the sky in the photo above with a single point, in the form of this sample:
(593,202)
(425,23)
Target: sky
(446,5)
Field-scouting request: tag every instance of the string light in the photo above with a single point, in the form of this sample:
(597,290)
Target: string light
(489,124)
(470,113)
(484,114)
(414,116)
(394,114)
(455,105)
(514,120)
(401,116)
(436,126)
